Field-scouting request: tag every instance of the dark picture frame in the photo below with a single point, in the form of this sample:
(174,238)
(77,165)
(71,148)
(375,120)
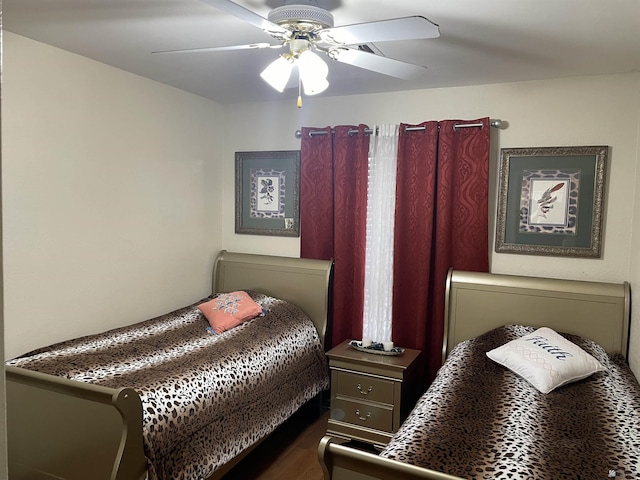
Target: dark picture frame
(550,201)
(268,193)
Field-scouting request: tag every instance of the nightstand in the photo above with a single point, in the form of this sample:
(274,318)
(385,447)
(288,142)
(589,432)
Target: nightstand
(369,397)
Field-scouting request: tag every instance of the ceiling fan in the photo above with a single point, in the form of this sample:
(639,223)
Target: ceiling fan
(305,28)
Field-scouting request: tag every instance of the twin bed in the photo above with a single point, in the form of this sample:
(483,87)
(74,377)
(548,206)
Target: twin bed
(168,398)
(479,420)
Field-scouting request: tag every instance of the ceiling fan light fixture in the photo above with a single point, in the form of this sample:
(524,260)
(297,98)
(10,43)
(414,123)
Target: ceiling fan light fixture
(302,26)
(278,72)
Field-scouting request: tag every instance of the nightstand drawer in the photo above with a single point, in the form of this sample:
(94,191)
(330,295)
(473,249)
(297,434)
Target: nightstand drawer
(377,417)
(364,387)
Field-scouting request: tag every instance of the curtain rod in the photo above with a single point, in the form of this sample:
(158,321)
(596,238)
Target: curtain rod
(497,123)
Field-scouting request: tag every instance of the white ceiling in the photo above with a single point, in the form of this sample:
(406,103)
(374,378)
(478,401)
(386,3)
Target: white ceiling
(481,42)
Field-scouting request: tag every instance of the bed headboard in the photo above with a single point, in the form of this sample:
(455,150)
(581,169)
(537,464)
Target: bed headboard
(302,281)
(478,302)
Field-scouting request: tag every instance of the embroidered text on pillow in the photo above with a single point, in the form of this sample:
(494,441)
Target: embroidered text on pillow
(544,344)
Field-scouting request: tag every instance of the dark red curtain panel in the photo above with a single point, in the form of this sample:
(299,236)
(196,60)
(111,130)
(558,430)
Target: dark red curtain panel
(441,222)
(338,220)
(462,215)
(316,194)
(416,177)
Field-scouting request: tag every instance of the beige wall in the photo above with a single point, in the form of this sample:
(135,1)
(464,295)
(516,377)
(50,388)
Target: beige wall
(634,259)
(107,182)
(598,110)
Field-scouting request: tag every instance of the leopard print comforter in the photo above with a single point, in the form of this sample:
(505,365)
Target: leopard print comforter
(478,420)
(205,397)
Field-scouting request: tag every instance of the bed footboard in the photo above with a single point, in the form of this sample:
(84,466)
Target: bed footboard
(340,462)
(57,428)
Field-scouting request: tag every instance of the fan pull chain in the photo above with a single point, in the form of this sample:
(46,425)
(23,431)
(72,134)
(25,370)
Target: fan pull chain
(299,92)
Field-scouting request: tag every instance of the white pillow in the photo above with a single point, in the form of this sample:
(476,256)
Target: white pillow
(546,359)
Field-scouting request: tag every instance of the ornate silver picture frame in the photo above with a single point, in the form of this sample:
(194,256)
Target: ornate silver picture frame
(551,201)
(267,193)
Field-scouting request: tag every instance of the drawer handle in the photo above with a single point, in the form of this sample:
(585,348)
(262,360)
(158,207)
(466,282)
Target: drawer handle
(364,392)
(363,418)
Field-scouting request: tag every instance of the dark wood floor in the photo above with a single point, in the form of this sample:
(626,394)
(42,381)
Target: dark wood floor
(289,453)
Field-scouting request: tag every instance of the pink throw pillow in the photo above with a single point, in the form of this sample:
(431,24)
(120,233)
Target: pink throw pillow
(228,310)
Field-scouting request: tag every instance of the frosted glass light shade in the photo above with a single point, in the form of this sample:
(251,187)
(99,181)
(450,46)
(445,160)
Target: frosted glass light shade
(313,72)
(277,73)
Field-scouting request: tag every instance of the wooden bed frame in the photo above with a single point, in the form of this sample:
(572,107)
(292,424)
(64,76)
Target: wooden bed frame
(63,429)
(479,302)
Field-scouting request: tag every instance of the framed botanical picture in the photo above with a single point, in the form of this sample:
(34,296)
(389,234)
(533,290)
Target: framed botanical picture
(267,193)
(551,201)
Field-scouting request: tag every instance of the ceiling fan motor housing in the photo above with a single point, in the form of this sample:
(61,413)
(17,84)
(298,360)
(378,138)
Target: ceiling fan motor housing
(301,17)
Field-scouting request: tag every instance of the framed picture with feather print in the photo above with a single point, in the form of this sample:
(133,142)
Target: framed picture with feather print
(550,201)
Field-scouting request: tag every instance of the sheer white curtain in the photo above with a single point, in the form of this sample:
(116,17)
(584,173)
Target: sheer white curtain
(381,199)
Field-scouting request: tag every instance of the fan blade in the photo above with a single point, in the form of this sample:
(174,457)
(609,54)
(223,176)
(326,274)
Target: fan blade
(376,63)
(250,46)
(250,17)
(407,28)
